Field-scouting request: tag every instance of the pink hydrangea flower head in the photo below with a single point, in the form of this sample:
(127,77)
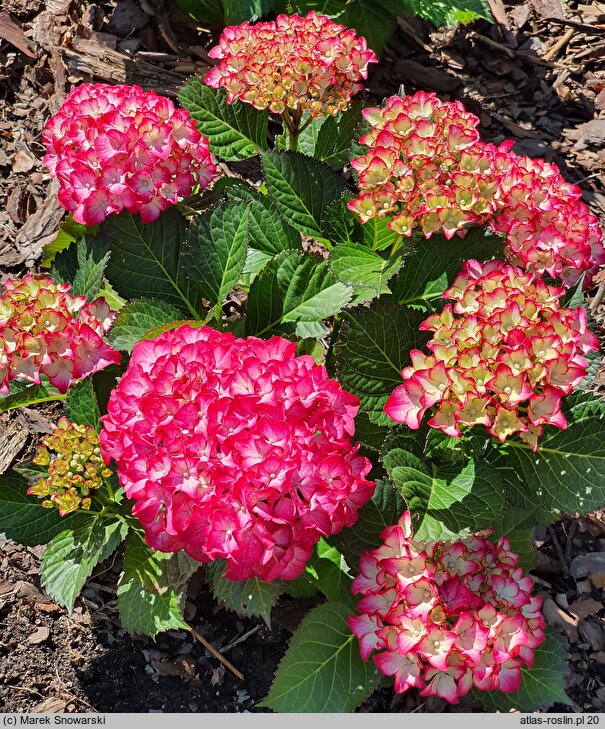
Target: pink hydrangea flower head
(235,449)
(46,331)
(468,619)
(300,63)
(72,456)
(421,167)
(503,356)
(427,169)
(119,147)
(547,227)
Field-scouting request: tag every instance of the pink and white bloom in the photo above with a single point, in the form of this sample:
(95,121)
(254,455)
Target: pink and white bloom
(44,330)
(235,449)
(468,620)
(293,63)
(116,148)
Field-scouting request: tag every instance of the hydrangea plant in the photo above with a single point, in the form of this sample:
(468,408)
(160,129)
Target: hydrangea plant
(345,433)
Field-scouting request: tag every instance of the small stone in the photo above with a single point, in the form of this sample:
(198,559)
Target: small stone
(586,564)
(600,693)
(561,600)
(584,586)
(600,658)
(40,635)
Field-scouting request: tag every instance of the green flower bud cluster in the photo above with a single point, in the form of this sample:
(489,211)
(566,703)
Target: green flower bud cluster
(75,469)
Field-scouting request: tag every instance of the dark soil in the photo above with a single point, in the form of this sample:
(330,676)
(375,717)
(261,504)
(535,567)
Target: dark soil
(522,81)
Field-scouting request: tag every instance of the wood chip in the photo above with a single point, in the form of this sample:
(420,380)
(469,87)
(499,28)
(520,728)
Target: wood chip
(549,8)
(13,436)
(560,619)
(586,606)
(12,32)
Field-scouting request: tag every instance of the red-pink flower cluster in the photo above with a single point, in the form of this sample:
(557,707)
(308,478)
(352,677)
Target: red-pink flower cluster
(119,147)
(503,356)
(446,616)
(427,168)
(304,64)
(235,449)
(46,331)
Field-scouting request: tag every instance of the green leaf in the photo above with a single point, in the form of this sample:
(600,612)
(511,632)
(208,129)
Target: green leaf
(235,131)
(518,525)
(333,143)
(69,232)
(434,264)
(322,670)
(216,251)
(136,319)
(147,259)
(236,11)
(304,585)
(567,473)
(92,259)
(443,13)
(383,510)
(445,500)
(247,598)
(23,518)
(149,612)
(152,589)
(71,556)
(377,235)
(302,189)
(373,19)
(368,433)
(541,686)
(81,405)
(372,350)
(269,233)
(23,394)
(340,225)
(210,11)
(333,573)
(293,288)
(355,265)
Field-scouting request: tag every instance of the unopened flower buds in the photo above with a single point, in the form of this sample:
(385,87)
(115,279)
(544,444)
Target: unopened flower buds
(75,469)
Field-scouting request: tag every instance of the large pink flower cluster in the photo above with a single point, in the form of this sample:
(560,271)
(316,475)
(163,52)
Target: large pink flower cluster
(503,356)
(427,168)
(304,64)
(235,449)
(46,331)
(446,616)
(119,147)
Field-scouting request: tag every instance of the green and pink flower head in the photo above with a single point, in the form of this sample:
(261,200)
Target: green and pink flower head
(297,63)
(235,449)
(72,456)
(46,331)
(503,356)
(119,147)
(427,169)
(446,616)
